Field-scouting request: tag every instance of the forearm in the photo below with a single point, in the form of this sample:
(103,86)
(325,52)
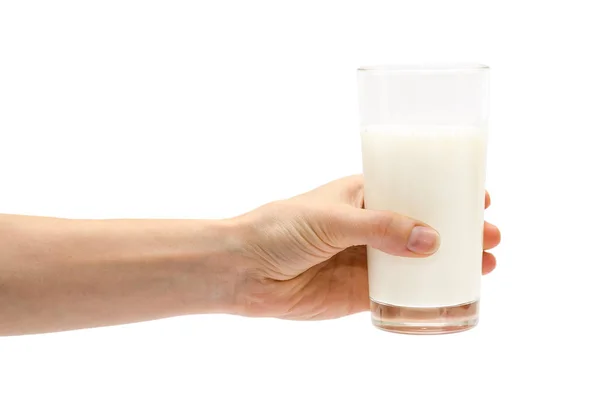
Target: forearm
(58,274)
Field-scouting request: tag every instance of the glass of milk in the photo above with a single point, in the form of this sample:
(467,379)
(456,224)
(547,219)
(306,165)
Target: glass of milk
(424,136)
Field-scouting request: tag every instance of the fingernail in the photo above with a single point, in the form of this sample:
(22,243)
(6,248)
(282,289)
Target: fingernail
(423,240)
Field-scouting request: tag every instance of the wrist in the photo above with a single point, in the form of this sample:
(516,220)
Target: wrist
(227,276)
(213,270)
(256,293)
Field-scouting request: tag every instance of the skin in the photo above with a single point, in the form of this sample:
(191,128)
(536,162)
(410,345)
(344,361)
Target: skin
(302,259)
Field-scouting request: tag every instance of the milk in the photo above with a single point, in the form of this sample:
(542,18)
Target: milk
(435,174)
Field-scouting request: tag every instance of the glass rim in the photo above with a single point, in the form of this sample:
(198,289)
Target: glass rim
(427,67)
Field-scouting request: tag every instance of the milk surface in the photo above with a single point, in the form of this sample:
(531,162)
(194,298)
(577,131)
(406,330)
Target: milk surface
(435,174)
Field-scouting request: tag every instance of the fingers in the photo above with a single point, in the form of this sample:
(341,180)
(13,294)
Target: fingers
(397,234)
(387,231)
(491,236)
(488,263)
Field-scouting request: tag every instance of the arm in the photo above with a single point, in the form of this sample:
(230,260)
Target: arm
(302,258)
(60,274)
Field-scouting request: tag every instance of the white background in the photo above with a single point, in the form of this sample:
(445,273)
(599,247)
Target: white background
(209,108)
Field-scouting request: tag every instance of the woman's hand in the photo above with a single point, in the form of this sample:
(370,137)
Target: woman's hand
(309,256)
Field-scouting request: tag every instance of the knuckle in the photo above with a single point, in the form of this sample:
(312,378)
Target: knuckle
(384,222)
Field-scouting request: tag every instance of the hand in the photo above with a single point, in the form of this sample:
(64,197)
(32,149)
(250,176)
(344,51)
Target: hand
(309,256)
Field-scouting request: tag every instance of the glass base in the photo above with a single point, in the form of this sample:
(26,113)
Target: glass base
(425,320)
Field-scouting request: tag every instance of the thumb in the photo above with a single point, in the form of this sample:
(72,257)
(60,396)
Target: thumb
(386,231)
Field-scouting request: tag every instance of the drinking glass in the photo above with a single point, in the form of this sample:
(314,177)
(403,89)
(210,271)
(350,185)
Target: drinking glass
(424,140)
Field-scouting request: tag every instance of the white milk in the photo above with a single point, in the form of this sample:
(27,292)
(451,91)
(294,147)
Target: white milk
(436,175)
